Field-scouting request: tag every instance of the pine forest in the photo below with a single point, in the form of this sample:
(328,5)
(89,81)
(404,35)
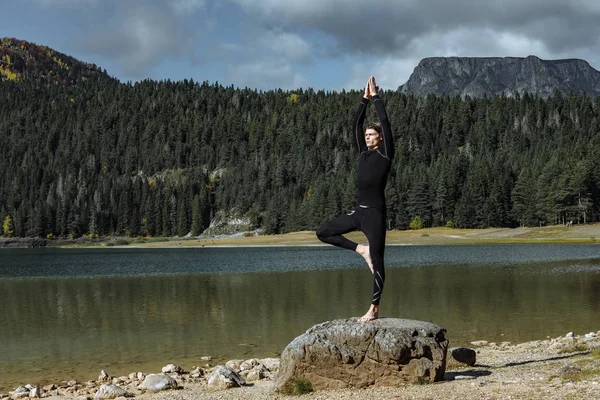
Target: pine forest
(151,158)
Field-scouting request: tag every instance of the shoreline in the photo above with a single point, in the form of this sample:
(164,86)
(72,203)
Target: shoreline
(555,234)
(552,368)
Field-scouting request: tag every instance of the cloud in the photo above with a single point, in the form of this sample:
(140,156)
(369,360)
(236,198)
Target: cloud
(140,34)
(61,3)
(386,71)
(383,27)
(183,7)
(266,75)
(392,71)
(388,38)
(290,45)
(342,41)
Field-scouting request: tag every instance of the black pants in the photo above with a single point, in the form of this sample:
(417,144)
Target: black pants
(371,222)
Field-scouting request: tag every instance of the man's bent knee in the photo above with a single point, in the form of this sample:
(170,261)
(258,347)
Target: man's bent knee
(321,234)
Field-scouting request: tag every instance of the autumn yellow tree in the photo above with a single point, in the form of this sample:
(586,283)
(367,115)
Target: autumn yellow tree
(7,226)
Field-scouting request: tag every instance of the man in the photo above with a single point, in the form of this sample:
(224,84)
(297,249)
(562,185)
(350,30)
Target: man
(376,151)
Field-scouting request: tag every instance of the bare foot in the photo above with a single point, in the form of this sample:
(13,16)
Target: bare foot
(364,251)
(371,315)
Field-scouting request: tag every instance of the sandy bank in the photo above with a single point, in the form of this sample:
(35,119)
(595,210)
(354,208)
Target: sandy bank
(430,236)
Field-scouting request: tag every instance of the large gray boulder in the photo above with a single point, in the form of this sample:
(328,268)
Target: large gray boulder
(349,353)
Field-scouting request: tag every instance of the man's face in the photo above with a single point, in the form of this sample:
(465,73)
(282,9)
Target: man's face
(373,138)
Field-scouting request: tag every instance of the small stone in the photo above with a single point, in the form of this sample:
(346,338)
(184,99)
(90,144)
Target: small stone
(104,377)
(224,377)
(249,364)
(206,358)
(72,383)
(463,377)
(140,375)
(173,369)
(109,391)
(569,335)
(234,364)
(272,364)
(480,343)
(244,373)
(19,393)
(117,381)
(556,346)
(257,373)
(157,382)
(48,388)
(34,393)
(197,372)
(464,355)
(132,376)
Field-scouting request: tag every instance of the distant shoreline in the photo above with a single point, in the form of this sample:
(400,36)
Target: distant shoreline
(555,234)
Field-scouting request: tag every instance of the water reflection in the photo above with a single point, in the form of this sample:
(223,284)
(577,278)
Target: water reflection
(72,327)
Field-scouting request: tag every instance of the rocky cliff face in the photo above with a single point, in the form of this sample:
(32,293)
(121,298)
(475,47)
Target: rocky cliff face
(476,77)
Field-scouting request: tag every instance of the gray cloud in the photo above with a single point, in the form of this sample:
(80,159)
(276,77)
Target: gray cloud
(183,7)
(383,37)
(389,37)
(287,44)
(382,27)
(138,34)
(264,59)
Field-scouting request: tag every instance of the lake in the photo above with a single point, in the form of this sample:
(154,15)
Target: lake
(68,313)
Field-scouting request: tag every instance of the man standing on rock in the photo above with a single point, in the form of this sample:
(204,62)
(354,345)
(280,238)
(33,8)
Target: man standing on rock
(376,151)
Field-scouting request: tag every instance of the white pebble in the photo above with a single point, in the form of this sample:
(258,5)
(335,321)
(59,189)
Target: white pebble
(462,377)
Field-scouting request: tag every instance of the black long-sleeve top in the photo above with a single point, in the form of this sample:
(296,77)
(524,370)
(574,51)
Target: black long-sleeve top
(373,165)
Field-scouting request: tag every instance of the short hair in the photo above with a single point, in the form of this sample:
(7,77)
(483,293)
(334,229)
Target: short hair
(373,125)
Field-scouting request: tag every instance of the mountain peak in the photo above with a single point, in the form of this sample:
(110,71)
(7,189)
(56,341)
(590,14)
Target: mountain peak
(509,76)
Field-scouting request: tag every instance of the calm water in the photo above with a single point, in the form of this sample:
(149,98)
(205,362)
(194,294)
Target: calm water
(68,313)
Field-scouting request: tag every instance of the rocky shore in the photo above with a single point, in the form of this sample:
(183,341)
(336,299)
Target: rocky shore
(566,367)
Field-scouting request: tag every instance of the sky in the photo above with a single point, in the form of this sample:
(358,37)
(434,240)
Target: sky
(290,44)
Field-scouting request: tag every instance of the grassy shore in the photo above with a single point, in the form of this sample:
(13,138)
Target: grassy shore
(431,236)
